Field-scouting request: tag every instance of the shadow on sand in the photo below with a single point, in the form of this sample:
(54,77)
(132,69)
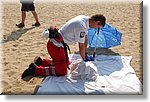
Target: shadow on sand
(101,51)
(15,35)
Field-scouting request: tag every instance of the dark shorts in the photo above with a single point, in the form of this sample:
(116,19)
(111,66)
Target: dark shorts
(28,7)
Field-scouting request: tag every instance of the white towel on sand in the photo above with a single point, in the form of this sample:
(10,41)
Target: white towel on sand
(106,75)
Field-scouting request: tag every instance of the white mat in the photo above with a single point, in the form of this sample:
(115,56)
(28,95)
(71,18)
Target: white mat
(116,76)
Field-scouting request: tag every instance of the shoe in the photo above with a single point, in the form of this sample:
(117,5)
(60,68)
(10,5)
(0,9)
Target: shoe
(21,25)
(37,24)
(30,71)
(38,60)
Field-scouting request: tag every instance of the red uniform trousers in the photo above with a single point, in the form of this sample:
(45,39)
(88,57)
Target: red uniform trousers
(58,65)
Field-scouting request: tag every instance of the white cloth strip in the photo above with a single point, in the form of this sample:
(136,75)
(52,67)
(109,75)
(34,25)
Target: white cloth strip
(53,71)
(47,70)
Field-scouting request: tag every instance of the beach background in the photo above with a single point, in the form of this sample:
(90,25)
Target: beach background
(20,46)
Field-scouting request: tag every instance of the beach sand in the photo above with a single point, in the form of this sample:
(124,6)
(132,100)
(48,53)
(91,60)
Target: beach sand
(19,47)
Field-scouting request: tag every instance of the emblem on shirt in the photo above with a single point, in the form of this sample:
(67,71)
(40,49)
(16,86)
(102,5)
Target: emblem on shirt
(82,34)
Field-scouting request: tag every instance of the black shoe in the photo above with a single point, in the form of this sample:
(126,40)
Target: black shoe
(38,61)
(37,24)
(30,71)
(21,25)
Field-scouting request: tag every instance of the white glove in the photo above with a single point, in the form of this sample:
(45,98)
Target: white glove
(45,34)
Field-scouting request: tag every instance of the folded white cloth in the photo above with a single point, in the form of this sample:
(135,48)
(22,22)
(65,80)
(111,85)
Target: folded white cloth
(83,70)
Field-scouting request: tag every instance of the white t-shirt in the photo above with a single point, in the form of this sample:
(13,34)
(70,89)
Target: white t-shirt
(75,29)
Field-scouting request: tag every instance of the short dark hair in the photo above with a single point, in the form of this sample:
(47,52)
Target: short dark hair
(99,17)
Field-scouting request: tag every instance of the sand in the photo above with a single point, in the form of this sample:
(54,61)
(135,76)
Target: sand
(20,46)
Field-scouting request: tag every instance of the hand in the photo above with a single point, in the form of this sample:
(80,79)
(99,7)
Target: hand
(53,32)
(88,57)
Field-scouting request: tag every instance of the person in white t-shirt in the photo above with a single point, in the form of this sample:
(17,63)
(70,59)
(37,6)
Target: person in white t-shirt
(75,30)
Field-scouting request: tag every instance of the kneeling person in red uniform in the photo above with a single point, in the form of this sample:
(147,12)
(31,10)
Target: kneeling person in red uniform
(58,66)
